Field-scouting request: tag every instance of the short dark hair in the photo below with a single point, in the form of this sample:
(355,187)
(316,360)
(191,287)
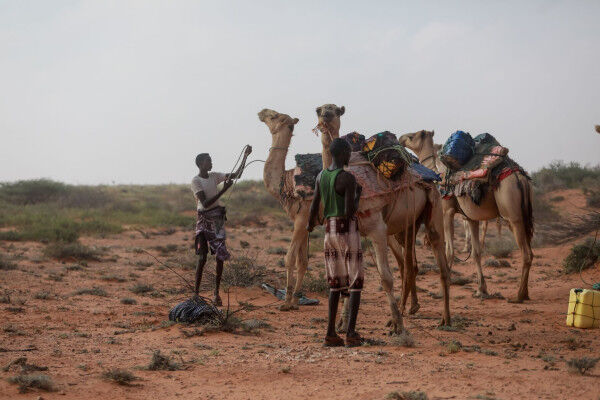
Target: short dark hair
(201,157)
(338,146)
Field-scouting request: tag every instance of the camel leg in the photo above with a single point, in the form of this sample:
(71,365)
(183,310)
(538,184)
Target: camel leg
(467,247)
(394,245)
(290,262)
(484,234)
(435,230)
(449,235)
(301,265)
(378,237)
(409,281)
(527,256)
(474,226)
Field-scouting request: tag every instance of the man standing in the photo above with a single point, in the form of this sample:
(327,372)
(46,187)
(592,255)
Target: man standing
(210,225)
(343,255)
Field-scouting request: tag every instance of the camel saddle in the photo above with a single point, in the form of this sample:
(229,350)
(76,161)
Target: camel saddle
(373,182)
(489,165)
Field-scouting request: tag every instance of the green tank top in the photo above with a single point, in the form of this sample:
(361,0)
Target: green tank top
(334,204)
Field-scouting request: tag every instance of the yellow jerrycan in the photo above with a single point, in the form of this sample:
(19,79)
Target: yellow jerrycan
(584,308)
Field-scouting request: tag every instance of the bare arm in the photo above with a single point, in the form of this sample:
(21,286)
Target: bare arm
(314,206)
(209,202)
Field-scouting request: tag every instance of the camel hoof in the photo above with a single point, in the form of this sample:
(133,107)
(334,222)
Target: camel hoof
(413,310)
(395,327)
(515,300)
(294,307)
(445,322)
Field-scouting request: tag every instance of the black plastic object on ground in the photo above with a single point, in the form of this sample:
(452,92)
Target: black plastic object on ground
(196,309)
(280,294)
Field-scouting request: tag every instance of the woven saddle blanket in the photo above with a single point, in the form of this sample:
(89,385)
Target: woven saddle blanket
(373,182)
(487,156)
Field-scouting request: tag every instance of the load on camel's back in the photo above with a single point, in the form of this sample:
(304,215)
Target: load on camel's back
(474,163)
(382,151)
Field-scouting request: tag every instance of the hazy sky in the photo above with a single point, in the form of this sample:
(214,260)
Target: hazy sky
(130,91)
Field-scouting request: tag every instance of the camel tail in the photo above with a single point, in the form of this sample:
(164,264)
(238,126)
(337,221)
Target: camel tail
(526,206)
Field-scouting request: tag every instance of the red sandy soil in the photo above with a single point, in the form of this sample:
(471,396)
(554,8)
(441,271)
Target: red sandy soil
(79,336)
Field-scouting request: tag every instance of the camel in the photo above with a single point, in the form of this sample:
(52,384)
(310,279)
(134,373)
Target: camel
(597,127)
(511,201)
(406,209)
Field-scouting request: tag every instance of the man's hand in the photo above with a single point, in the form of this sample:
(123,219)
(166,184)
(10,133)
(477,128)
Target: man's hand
(310,227)
(227,184)
(248,150)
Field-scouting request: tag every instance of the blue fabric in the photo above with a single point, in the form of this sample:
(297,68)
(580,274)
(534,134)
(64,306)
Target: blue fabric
(425,173)
(457,150)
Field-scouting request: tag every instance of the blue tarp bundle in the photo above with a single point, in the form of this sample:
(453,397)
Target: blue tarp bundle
(457,150)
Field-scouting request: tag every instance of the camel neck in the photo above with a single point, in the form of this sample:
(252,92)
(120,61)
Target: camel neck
(328,133)
(275,163)
(427,157)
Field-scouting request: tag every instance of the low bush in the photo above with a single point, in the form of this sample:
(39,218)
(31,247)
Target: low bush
(500,248)
(78,251)
(161,362)
(582,256)
(315,283)
(119,376)
(95,291)
(581,365)
(404,339)
(33,381)
(243,271)
(6,264)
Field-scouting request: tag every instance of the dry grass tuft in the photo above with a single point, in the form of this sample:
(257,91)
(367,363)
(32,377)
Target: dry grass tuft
(404,339)
(119,376)
(581,365)
(161,362)
(33,381)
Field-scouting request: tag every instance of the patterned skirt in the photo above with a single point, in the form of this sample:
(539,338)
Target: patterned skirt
(343,254)
(211,226)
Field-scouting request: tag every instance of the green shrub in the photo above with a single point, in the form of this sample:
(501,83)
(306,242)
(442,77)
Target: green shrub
(500,248)
(243,271)
(582,256)
(593,199)
(6,265)
(161,362)
(581,365)
(95,291)
(75,250)
(412,395)
(34,381)
(404,339)
(559,175)
(128,301)
(141,288)
(315,283)
(31,191)
(119,376)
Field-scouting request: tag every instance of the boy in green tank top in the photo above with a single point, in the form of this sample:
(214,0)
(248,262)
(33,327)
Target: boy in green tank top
(343,255)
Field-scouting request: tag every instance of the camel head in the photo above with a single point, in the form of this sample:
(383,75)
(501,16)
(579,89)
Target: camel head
(278,123)
(417,141)
(598,128)
(329,119)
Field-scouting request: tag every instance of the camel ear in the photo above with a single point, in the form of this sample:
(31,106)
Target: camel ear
(432,133)
(341,110)
(296,121)
(318,110)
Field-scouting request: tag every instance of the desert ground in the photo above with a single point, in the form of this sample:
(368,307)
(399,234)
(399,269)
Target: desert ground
(78,318)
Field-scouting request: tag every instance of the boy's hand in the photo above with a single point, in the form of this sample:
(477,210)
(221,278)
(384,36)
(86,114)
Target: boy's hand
(228,183)
(310,227)
(248,150)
